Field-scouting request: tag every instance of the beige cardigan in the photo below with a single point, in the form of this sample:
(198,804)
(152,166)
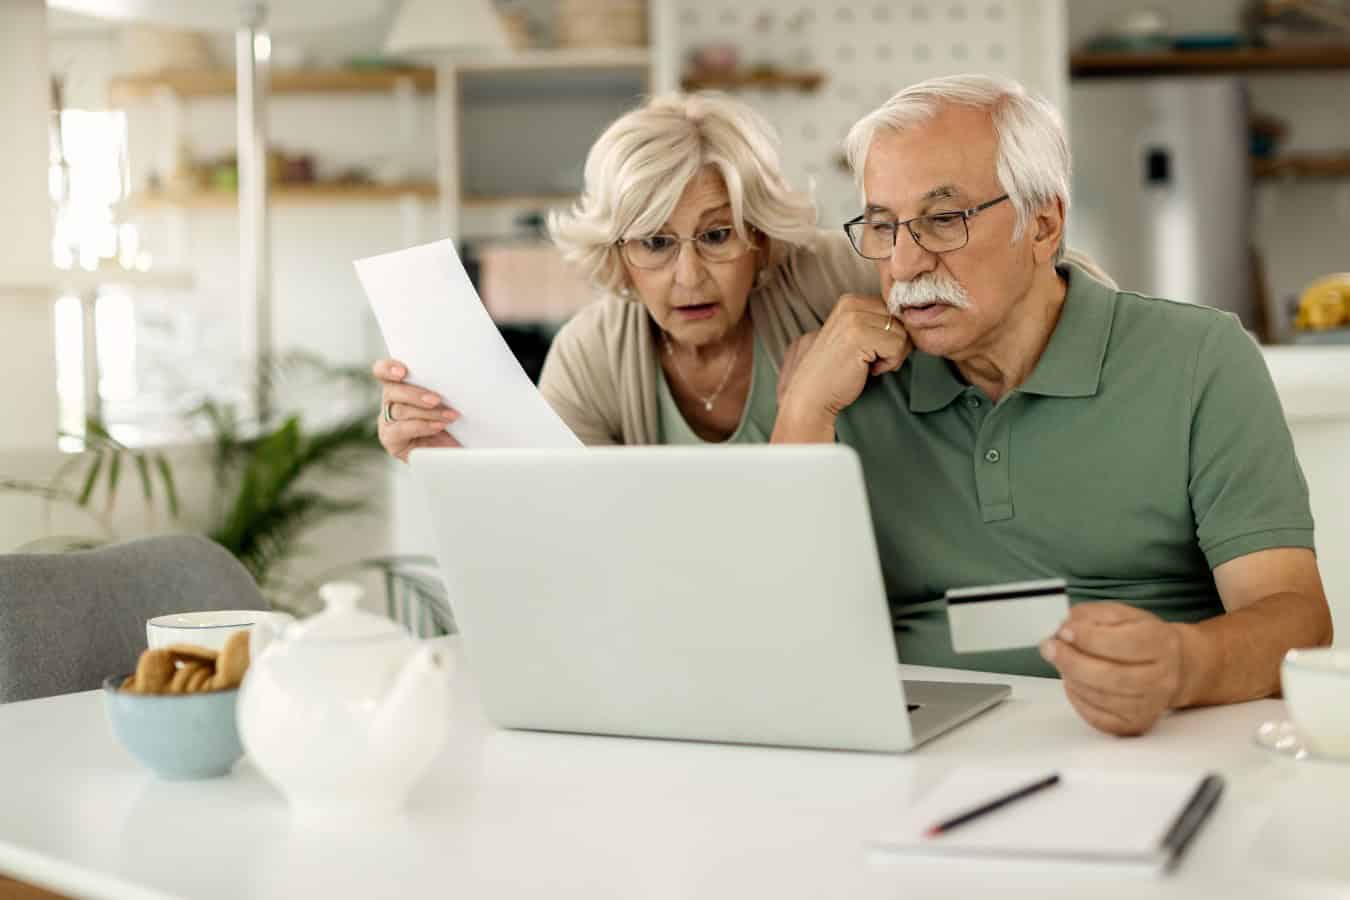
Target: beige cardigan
(601,372)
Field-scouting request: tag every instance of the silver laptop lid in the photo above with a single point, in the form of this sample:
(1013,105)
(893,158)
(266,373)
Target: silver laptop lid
(728,594)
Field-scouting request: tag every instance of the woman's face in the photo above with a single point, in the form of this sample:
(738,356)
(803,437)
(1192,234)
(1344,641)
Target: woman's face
(699,302)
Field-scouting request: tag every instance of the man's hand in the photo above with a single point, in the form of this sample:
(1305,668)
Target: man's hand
(830,369)
(795,351)
(1122,667)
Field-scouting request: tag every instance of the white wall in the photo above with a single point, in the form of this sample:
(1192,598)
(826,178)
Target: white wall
(1322,447)
(27,355)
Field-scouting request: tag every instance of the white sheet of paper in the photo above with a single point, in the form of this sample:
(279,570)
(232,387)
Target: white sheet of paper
(434,322)
(1097,815)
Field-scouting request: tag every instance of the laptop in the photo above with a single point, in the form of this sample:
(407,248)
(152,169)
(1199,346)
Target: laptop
(713,594)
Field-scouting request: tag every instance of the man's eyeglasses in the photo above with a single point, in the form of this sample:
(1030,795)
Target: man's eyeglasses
(716,245)
(936,233)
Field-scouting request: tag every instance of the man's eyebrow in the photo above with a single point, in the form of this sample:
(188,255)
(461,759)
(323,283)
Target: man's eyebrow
(876,208)
(941,192)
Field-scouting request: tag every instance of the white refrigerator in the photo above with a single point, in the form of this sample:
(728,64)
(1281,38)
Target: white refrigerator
(1162,188)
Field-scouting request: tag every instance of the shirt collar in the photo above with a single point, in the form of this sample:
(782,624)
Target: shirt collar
(932,384)
(1070,366)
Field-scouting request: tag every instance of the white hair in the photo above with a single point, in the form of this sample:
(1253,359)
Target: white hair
(1033,150)
(638,169)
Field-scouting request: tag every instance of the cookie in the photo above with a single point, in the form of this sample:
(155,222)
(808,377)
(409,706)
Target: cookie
(191,653)
(232,662)
(178,684)
(200,679)
(154,671)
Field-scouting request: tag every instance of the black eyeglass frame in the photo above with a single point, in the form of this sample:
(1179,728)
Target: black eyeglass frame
(964,214)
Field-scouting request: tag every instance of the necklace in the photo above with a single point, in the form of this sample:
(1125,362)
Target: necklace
(709,400)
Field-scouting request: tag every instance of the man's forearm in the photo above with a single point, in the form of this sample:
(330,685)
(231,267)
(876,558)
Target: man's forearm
(1236,656)
(794,427)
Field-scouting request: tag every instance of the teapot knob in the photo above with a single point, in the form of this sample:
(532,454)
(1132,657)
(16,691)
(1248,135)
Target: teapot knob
(340,596)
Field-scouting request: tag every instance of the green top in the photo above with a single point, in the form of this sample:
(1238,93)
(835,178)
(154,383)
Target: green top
(761,407)
(1147,447)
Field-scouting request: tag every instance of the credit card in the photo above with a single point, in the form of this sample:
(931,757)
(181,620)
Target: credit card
(1006,616)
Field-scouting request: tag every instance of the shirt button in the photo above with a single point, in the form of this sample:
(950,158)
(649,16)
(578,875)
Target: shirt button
(973,402)
(992,456)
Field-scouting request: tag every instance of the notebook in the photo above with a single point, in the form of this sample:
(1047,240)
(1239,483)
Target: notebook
(1133,819)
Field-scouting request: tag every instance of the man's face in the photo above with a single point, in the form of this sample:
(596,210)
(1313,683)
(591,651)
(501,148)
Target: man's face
(953,304)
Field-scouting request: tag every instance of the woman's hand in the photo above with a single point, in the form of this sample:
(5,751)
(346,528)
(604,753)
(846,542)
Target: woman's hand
(419,416)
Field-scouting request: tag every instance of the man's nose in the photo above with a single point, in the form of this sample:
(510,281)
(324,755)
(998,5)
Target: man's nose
(908,259)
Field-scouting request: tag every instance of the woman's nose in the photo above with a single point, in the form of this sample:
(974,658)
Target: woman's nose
(689,269)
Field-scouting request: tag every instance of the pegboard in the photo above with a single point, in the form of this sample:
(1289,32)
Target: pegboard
(868,50)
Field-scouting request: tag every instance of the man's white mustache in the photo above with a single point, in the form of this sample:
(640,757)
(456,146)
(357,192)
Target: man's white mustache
(937,287)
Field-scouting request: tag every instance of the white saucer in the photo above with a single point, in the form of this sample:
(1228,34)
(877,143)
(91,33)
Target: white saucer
(1281,737)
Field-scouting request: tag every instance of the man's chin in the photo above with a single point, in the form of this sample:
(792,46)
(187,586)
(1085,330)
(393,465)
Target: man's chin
(937,341)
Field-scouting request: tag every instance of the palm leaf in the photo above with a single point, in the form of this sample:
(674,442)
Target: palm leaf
(114,473)
(143,473)
(60,543)
(32,488)
(166,475)
(90,479)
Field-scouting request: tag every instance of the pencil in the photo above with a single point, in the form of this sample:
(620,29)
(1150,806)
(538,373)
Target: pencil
(996,803)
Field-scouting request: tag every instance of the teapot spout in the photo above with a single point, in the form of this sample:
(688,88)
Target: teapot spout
(415,708)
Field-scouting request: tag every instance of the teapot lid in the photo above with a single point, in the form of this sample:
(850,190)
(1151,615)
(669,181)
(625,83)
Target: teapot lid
(341,619)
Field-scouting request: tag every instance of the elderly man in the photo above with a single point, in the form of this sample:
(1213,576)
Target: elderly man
(1022,420)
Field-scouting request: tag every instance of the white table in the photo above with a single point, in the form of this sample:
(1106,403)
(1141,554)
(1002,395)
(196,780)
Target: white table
(518,814)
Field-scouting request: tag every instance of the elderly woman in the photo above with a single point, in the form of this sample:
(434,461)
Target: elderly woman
(709,265)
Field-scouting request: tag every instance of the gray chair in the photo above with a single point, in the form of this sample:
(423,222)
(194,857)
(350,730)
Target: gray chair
(69,620)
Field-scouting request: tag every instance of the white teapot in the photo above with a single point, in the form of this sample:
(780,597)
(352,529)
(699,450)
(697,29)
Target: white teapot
(343,711)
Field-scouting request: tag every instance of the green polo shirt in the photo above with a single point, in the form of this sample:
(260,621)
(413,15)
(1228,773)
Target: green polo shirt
(1146,448)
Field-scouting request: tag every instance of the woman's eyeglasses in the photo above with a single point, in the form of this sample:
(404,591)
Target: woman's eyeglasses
(716,245)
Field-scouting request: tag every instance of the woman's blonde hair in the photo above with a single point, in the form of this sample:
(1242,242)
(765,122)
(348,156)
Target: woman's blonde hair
(637,170)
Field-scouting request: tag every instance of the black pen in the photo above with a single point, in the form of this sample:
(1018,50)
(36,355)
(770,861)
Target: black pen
(992,805)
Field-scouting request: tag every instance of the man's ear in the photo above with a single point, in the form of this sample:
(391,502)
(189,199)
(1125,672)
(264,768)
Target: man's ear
(1047,230)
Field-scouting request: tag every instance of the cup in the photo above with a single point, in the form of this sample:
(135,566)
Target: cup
(1316,685)
(209,628)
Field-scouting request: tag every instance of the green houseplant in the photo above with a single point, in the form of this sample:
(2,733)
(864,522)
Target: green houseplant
(263,500)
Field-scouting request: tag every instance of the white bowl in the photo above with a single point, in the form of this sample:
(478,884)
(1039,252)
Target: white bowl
(1316,685)
(208,629)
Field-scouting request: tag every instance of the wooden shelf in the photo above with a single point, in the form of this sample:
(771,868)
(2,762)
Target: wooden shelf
(321,194)
(288,195)
(80,280)
(221,82)
(562,60)
(1303,166)
(731,81)
(478,201)
(1207,62)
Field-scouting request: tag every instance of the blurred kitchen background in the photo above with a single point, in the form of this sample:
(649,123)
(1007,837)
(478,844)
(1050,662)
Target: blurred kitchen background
(180,323)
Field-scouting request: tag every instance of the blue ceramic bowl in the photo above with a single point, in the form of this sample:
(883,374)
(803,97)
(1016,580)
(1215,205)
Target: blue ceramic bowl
(176,736)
